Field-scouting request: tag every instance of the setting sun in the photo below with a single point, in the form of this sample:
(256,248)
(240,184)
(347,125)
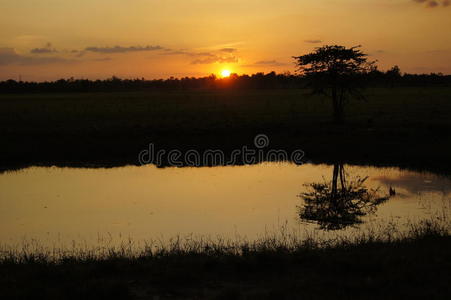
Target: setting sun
(225,73)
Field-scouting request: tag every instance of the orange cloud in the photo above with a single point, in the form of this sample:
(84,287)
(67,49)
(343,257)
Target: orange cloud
(121,49)
(434,3)
(8,56)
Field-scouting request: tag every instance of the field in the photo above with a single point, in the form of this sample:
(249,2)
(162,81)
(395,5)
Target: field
(386,265)
(413,266)
(406,127)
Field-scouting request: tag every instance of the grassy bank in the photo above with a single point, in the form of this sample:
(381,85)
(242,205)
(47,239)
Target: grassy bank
(386,265)
(407,127)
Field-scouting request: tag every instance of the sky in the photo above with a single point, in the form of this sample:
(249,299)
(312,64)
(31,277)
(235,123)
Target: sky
(96,39)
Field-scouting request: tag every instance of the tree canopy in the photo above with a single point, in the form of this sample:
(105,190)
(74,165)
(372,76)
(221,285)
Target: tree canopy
(336,71)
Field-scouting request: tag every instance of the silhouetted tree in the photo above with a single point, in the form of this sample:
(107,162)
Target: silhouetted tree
(393,75)
(337,72)
(339,203)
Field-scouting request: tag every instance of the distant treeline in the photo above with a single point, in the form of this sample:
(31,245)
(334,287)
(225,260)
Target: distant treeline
(376,78)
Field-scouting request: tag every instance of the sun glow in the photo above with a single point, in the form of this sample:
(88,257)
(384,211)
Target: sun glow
(225,73)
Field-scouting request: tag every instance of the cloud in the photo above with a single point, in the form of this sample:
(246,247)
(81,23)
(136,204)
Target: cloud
(313,41)
(42,51)
(8,56)
(223,55)
(269,62)
(78,53)
(45,50)
(434,3)
(208,54)
(211,59)
(121,49)
(175,52)
(262,63)
(376,52)
(228,50)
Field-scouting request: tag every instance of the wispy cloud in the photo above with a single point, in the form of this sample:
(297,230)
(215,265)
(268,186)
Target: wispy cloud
(377,52)
(42,55)
(8,56)
(268,63)
(44,50)
(434,3)
(313,41)
(175,52)
(215,59)
(228,50)
(121,49)
(224,55)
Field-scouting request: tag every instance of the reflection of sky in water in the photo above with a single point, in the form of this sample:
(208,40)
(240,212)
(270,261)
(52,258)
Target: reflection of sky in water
(147,202)
(416,183)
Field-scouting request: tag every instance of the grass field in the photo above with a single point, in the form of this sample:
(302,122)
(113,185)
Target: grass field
(384,265)
(400,126)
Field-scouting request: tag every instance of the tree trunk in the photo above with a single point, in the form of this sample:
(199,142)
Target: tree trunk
(342,178)
(338,174)
(337,106)
(335,181)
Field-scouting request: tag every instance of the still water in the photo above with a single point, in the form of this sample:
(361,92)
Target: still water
(64,204)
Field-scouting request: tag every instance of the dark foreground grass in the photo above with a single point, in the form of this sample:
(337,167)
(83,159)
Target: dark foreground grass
(406,127)
(414,265)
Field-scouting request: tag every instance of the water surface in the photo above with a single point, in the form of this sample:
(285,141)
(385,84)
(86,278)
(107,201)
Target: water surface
(64,204)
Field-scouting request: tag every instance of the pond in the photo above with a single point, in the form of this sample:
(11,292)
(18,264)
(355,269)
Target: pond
(58,205)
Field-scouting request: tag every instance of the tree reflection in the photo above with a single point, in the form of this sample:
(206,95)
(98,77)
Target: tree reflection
(340,202)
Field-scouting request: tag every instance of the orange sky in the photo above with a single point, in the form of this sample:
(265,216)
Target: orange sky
(50,39)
